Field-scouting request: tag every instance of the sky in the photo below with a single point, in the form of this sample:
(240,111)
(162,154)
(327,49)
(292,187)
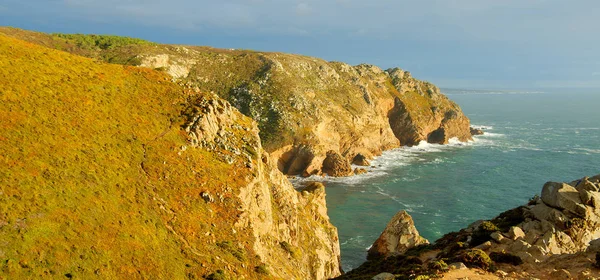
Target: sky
(493,44)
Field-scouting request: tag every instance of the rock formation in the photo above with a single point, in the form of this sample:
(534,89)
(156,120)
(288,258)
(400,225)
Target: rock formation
(269,203)
(399,236)
(304,107)
(556,235)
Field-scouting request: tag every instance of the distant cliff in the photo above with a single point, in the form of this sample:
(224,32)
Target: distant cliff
(110,171)
(314,116)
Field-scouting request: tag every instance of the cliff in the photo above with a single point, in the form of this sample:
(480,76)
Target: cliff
(112,171)
(555,236)
(309,111)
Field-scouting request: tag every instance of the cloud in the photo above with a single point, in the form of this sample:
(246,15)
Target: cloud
(303,9)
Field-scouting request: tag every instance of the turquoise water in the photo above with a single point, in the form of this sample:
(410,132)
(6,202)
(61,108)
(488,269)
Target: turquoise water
(531,138)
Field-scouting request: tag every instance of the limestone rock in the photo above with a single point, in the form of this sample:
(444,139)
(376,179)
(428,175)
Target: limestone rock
(457,265)
(497,236)
(399,235)
(563,196)
(484,246)
(516,232)
(336,165)
(384,276)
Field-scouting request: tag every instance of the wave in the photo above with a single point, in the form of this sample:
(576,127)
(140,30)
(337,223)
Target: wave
(491,134)
(482,127)
(395,158)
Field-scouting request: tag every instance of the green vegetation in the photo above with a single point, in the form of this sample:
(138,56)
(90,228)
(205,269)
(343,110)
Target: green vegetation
(483,232)
(503,257)
(94,182)
(103,42)
(475,258)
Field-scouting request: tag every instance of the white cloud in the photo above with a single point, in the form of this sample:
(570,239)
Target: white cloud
(303,9)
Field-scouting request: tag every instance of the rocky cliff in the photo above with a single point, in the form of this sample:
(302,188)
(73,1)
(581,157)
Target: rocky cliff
(309,111)
(111,171)
(313,113)
(555,236)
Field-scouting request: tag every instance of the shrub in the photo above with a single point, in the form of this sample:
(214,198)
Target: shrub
(475,258)
(502,257)
(217,275)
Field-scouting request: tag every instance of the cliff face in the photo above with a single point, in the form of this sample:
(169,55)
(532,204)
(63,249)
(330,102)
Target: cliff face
(307,109)
(555,236)
(291,230)
(116,172)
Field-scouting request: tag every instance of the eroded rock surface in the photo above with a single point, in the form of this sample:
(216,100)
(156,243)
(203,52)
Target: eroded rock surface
(399,236)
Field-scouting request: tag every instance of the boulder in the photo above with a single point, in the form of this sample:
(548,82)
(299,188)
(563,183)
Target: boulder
(497,236)
(336,165)
(360,160)
(457,265)
(515,233)
(384,276)
(484,246)
(543,212)
(476,131)
(399,235)
(563,196)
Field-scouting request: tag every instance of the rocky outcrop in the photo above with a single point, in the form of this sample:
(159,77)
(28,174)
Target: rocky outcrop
(554,235)
(476,131)
(422,113)
(399,236)
(336,165)
(295,244)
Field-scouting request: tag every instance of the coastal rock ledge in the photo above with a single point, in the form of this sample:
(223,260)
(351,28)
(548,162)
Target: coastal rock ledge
(555,235)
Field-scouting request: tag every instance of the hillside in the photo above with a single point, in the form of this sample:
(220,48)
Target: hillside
(314,116)
(112,171)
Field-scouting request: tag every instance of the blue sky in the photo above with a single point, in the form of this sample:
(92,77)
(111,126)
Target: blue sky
(452,43)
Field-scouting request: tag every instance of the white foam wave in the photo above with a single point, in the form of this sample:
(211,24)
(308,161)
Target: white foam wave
(491,134)
(392,159)
(482,127)
(592,151)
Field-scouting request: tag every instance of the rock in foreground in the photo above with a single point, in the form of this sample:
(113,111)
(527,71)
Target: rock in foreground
(555,235)
(399,236)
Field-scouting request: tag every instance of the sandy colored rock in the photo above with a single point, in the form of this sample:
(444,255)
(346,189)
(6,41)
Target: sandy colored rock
(399,235)
(516,233)
(336,165)
(384,276)
(563,196)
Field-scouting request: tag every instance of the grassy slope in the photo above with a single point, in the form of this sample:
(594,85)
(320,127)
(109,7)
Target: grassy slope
(91,182)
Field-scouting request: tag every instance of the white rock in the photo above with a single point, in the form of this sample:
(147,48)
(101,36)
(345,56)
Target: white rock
(384,276)
(515,233)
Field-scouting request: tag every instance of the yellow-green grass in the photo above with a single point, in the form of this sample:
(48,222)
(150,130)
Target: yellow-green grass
(93,182)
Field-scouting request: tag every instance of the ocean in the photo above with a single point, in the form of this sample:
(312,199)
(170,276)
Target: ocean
(531,137)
